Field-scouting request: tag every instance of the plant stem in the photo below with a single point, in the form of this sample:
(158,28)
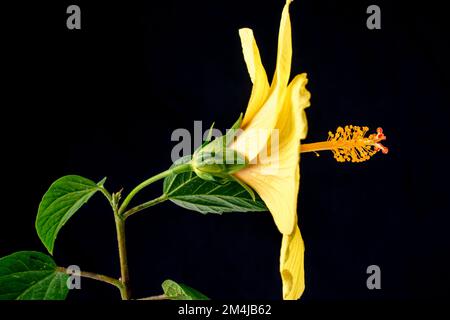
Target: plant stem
(119,218)
(124,274)
(145,205)
(160,297)
(102,278)
(107,194)
(96,276)
(177,169)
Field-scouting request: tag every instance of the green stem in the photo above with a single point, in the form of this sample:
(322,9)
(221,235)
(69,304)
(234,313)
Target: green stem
(124,274)
(119,218)
(107,194)
(96,276)
(177,169)
(102,278)
(145,205)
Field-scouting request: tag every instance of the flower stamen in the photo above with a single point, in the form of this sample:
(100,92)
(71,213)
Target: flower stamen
(350,144)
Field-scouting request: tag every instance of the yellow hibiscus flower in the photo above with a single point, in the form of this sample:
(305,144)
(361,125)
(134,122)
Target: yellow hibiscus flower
(278,107)
(265,149)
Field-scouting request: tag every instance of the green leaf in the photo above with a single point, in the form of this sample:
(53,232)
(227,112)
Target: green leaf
(64,197)
(179,291)
(29,275)
(191,192)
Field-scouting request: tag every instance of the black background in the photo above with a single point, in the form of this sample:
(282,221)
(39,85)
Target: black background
(104,100)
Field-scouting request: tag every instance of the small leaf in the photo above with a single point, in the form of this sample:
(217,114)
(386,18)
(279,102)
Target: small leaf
(179,291)
(64,197)
(29,275)
(191,192)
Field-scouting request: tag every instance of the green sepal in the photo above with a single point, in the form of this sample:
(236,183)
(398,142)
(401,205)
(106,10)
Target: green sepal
(246,187)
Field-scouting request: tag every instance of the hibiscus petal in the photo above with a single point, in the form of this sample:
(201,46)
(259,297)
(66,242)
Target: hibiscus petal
(257,73)
(284,53)
(292,266)
(299,99)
